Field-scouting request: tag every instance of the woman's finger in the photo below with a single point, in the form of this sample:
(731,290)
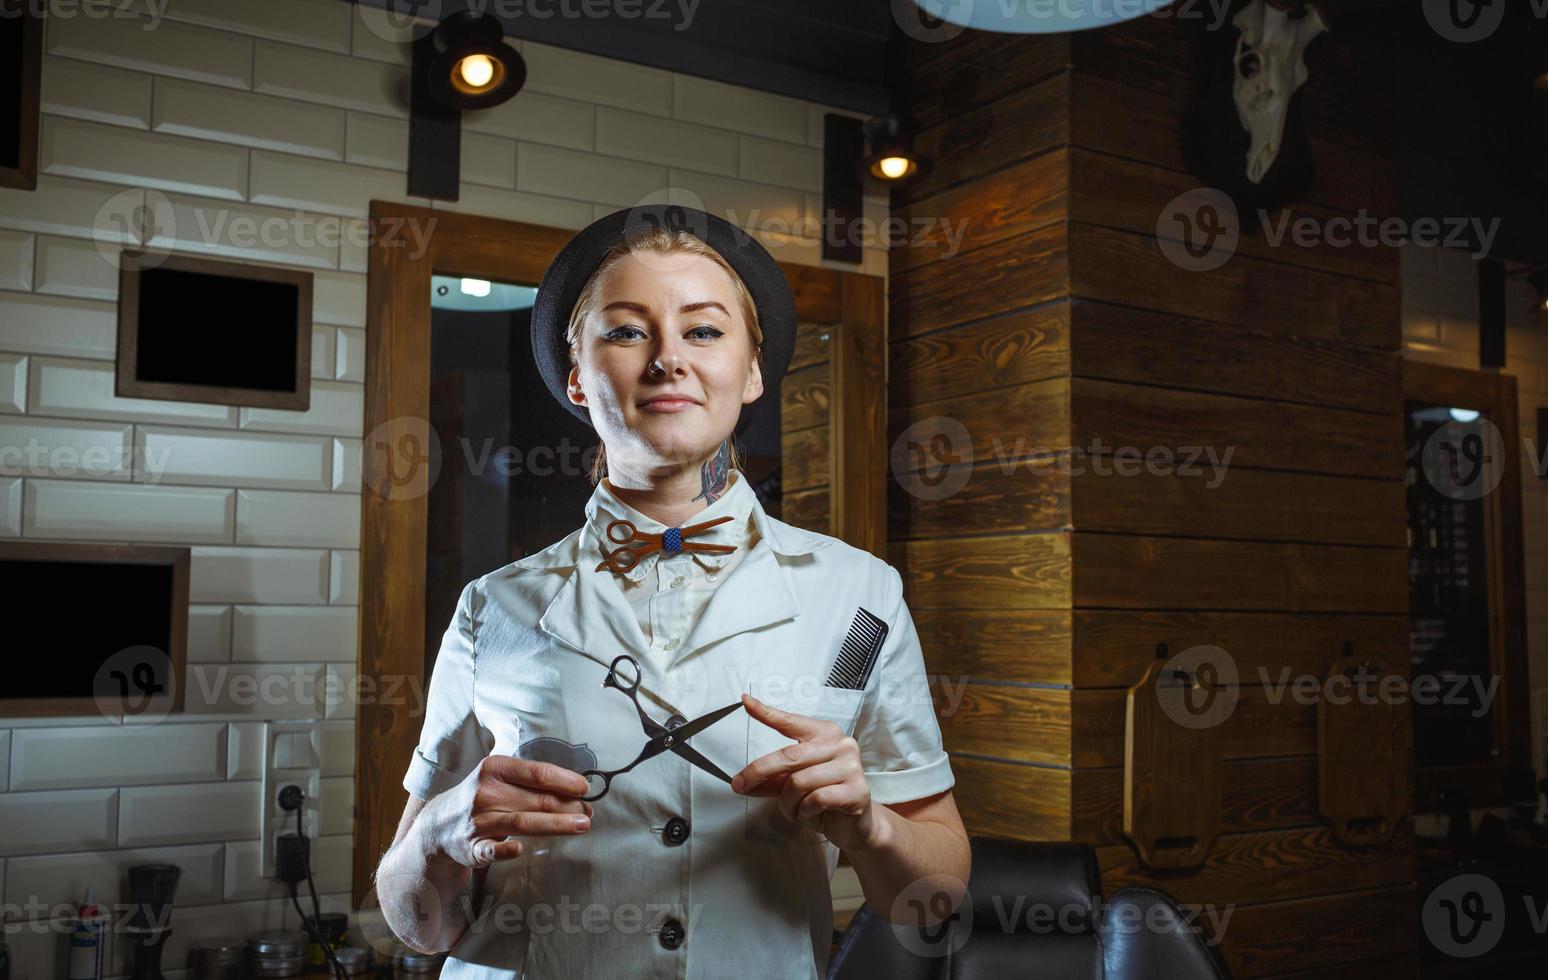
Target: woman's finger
(497,797)
(487,851)
(833,798)
(767,768)
(807,781)
(541,776)
(529,824)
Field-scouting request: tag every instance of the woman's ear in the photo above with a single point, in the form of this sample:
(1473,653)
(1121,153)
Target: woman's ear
(573,388)
(754,388)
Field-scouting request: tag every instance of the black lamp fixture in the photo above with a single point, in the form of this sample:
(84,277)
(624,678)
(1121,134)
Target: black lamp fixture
(890,152)
(463,64)
(474,68)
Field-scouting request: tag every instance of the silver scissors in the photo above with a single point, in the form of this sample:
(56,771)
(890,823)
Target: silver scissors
(661,738)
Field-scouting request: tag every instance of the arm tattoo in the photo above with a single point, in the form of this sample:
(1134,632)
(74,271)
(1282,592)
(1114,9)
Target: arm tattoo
(714,474)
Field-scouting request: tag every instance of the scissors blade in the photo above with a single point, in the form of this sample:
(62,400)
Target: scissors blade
(692,755)
(702,722)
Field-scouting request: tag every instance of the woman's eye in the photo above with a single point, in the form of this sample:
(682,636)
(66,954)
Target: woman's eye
(614,334)
(706,332)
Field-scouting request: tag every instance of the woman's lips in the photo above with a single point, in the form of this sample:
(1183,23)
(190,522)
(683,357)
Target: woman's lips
(669,404)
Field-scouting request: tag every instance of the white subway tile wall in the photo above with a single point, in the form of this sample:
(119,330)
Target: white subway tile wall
(1440,325)
(259,131)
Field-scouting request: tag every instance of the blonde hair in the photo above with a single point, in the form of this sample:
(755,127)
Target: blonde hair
(661,242)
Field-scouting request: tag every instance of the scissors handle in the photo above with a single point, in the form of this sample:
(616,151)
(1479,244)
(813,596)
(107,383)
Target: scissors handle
(593,778)
(626,526)
(615,679)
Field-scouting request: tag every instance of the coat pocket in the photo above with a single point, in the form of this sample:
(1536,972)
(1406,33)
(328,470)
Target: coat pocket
(838,705)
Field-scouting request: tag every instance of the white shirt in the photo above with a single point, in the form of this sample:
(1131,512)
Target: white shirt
(673,852)
(669,591)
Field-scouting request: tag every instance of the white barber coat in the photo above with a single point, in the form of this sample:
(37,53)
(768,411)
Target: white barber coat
(679,877)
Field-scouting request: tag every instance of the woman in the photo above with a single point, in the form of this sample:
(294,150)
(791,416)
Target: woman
(661,339)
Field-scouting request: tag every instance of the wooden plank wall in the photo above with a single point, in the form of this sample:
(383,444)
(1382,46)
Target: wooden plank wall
(1060,321)
(804,430)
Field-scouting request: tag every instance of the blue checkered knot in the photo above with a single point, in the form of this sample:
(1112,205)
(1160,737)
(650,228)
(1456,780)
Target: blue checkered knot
(672,539)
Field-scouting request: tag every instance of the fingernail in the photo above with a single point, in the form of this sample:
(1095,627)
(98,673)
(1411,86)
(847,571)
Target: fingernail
(581,823)
(737,783)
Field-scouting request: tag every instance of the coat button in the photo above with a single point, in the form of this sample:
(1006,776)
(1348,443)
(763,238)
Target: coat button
(671,934)
(676,831)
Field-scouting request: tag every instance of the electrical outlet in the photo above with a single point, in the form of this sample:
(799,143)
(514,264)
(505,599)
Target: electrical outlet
(292,755)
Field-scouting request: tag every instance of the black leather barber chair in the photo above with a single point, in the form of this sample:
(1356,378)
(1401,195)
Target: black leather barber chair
(1033,909)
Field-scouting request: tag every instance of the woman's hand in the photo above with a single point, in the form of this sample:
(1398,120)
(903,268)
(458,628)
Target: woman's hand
(819,781)
(503,797)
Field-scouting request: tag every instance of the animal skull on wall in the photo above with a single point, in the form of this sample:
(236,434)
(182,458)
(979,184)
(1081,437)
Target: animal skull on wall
(1269,69)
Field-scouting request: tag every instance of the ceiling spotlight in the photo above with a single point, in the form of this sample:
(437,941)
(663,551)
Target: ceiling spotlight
(474,68)
(1037,18)
(890,152)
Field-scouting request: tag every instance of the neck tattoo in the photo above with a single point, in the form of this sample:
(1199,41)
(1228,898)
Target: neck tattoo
(714,474)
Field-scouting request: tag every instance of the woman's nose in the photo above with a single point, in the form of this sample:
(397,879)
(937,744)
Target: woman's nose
(667,358)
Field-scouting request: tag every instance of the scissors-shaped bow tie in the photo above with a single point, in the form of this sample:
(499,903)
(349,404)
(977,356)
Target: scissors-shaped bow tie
(636,544)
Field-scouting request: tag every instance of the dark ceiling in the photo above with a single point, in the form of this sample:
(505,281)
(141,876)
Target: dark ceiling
(1472,129)
(825,51)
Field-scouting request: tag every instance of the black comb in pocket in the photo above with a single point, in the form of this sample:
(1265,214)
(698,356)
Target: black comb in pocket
(858,654)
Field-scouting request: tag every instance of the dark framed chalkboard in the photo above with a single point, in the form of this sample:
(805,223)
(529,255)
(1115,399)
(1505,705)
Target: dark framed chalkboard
(94,629)
(203,330)
(1467,600)
(21,59)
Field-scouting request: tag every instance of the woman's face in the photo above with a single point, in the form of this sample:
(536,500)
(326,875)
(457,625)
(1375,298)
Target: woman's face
(682,310)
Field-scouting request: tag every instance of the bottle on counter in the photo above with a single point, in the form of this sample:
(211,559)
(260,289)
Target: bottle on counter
(88,940)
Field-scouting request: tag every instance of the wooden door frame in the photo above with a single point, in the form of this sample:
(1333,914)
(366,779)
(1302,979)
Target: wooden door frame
(1505,780)
(408,245)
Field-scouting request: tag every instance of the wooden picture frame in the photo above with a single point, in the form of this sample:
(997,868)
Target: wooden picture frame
(86,553)
(842,323)
(132,267)
(1508,777)
(26,18)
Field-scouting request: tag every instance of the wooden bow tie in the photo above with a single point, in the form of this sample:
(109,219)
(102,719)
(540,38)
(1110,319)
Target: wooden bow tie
(636,544)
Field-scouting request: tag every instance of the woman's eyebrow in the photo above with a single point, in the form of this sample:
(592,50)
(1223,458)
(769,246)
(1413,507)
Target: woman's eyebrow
(624,304)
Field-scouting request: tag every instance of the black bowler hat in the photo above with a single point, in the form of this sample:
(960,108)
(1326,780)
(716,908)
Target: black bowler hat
(566,277)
